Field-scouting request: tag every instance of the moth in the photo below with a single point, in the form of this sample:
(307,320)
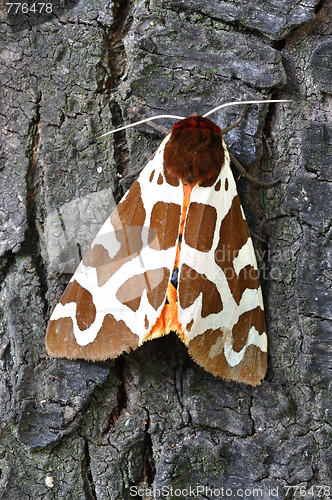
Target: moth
(175,255)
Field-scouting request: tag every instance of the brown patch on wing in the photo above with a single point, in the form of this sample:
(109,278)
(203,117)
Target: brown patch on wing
(217,186)
(170,179)
(124,340)
(165,221)
(233,235)
(191,284)
(154,281)
(131,211)
(226,184)
(131,244)
(113,338)
(160,180)
(251,370)
(240,331)
(86,310)
(151,176)
(127,219)
(248,278)
(97,257)
(200,226)
(189,325)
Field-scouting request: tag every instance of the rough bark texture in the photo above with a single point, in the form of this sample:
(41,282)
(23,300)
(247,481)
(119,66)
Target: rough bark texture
(153,418)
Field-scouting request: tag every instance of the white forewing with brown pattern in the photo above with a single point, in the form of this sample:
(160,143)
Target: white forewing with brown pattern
(182,218)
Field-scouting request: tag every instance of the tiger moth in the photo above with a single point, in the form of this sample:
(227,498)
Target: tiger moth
(175,255)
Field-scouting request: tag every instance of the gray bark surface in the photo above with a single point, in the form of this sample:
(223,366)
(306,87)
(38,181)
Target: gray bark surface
(152,421)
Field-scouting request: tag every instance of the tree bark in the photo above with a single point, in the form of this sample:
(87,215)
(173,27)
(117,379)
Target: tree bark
(153,424)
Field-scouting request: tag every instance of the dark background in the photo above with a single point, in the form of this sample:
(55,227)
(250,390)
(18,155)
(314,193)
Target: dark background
(78,430)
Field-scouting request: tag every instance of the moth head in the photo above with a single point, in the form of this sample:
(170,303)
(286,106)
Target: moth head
(195,152)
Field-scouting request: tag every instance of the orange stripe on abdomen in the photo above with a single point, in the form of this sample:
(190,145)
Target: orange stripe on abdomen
(169,320)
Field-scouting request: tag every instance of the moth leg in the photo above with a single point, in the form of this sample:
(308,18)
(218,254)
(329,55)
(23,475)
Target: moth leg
(237,163)
(252,179)
(235,124)
(258,238)
(160,128)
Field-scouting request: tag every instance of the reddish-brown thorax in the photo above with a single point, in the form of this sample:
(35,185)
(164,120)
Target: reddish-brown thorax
(194,152)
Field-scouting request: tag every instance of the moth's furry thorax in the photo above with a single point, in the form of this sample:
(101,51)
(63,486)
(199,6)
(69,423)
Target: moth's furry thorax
(194,152)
